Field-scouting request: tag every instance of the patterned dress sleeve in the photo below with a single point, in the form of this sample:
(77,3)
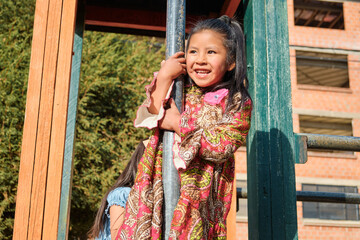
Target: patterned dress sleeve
(143,117)
(213,138)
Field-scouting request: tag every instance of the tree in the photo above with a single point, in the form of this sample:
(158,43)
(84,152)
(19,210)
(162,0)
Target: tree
(115,69)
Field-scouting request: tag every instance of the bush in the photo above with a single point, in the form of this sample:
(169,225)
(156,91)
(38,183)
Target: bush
(114,71)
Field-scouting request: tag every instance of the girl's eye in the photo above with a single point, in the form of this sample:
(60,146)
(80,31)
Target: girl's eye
(211,52)
(192,51)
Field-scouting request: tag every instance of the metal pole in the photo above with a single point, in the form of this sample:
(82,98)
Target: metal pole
(332,142)
(329,197)
(175,39)
(309,196)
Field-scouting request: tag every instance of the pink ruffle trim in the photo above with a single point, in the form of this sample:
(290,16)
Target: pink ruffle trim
(147,104)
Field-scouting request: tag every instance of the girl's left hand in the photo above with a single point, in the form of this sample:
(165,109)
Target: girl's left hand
(171,119)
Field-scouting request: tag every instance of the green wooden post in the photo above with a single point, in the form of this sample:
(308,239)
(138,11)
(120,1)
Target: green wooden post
(270,145)
(64,216)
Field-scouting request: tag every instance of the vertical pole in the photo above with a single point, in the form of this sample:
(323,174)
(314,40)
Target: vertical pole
(270,145)
(175,38)
(64,215)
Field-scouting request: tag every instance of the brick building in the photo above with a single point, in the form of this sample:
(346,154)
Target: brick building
(324,39)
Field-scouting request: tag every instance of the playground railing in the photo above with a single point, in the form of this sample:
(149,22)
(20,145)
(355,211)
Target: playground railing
(324,142)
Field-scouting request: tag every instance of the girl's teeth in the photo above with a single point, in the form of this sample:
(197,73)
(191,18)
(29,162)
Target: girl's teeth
(202,73)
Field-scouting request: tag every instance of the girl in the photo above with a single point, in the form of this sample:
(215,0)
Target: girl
(213,125)
(110,215)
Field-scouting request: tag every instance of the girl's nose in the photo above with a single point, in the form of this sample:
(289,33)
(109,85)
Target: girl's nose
(201,59)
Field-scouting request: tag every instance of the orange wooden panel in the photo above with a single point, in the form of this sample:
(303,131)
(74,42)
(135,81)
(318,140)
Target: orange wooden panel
(45,119)
(58,131)
(231,218)
(229,7)
(31,122)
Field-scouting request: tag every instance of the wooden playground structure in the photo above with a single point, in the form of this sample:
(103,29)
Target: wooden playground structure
(44,189)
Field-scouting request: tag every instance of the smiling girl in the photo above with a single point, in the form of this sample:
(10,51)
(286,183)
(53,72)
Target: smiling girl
(212,127)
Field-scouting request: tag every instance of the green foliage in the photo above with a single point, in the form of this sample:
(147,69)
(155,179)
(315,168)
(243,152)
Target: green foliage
(16,20)
(115,68)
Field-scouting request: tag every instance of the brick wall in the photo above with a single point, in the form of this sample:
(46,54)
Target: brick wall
(327,169)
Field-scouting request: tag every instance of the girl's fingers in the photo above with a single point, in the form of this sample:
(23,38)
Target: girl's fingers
(181,60)
(183,69)
(178,54)
(172,103)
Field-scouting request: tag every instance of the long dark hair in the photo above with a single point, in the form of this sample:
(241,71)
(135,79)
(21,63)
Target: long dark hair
(126,179)
(235,80)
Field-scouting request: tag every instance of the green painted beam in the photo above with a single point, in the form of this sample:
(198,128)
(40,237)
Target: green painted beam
(66,183)
(300,148)
(270,143)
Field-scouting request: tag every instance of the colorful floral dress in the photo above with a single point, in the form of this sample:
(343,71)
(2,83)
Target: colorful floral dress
(204,157)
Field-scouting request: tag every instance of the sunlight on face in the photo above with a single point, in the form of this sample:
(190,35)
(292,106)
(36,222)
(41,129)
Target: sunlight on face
(206,58)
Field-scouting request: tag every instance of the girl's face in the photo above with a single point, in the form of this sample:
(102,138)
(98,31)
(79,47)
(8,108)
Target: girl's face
(206,58)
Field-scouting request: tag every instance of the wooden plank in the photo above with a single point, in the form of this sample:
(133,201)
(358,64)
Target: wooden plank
(130,18)
(336,20)
(125,16)
(31,122)
(300,149)
(61,98)
(298,17)
(318,6)
(229,7)
(283,207)
(259,211)
(270,148)
(231,218)
(64,214)
(45,118)
(125,25)
(310,19)
(323,18)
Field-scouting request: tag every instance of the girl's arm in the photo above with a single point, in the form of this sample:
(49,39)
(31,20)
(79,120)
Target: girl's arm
(117,215)
(170,69)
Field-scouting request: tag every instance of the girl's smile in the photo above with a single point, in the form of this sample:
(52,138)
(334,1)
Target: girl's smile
(206,58)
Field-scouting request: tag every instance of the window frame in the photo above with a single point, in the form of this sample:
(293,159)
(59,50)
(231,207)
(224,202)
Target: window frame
(310,62)
(320,205)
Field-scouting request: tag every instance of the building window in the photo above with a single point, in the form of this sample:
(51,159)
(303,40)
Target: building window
(322,14)
(326,126)
(331,211)
(322,69)
(242,202)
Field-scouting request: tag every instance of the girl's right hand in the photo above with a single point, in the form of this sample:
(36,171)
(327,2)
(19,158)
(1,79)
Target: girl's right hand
(171,119)
(173,67)
(170,69)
